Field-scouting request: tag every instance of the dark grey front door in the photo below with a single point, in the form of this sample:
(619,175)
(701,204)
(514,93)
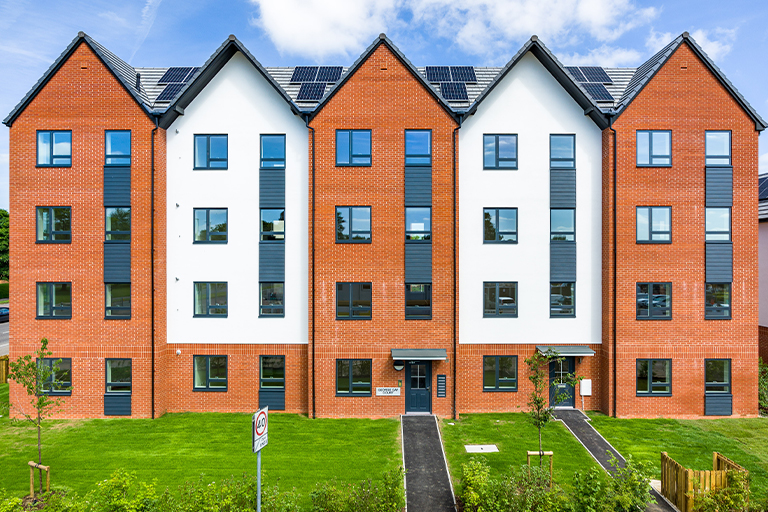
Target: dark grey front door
(418,395)
(557,371)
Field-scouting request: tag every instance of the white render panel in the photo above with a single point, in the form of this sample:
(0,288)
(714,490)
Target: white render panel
(532,104)
(240,103)
(762,251)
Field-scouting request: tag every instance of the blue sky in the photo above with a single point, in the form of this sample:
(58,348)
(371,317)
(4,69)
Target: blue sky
(292,32)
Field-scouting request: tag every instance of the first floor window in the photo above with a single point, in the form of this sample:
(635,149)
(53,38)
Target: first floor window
(54,148)
(718,375)
(418,224)
(418,301)
(353,301)
(654,148)
(654,377)
(272,299)
(273,151)
(353,224)
(210,225)
(117,147)
(353,147)
(500,225)
(718,148)
(59,381)
(211,299)
(353,377)
(500,299)
(500,151)
(718,300)
(654,300)
(54,224)
(562,225)
(54,300)
(118,375)
(562,299)
(273,224)
(211,152)
(718,225)
(118,300)
(118,224)
(499,373)
(210,373)
(272,372)
(654,224)
(562,151)
(418,147)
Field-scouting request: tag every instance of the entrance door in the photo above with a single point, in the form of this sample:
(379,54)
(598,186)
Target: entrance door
(418,396)
(559,370)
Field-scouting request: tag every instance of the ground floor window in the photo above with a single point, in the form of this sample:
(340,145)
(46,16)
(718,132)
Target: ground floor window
(353,377)
(118,375)
(54,300)
(272,374)
(654,300)
(718,375)
(353,301)
(210,373)
(499,373)
(654,377)
(59,382)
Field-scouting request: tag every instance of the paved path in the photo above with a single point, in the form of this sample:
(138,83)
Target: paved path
(576,422)
(428,487)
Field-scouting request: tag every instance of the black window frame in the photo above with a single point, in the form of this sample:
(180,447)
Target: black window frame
(487,285)
(352,155)
(650,391)
(351,392)
(498,231)
(555,308)
(208,300)
(497,366)
(50,290)
(51,155)
(352,231)
(208,159)
(651,155)
(562,233)
(651,232)
(262,307)
(497,158)
(48,361)
(418,312)
(108,383)
(651,307)
(730,149)
(112,232)
(51,223)
(553,159)
(130,149)
(262,160)
(709,310)
(417,155)
(351,309)
(208,379)
(426,234)
(729,383)
(262,379)
(108,308)
(708,232)
(208,227)
(272,233)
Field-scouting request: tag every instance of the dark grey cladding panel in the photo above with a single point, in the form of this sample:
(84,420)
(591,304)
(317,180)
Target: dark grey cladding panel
(719,264)
(117,186)
(562,188)
(271,262)
(718,405)
(117,405)
(272,188)
(441,386)
(418,263)
(562,261)
(418,186)
(117,263)
(274,398)
(719,186)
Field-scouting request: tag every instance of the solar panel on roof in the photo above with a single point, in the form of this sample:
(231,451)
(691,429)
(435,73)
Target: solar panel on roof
(328,74)
(192,73)
(438,74)
(170,92)
(174,76)
(463,74)
(596,74)
(311,92)
(302,74)
(763,188)
(597,91)
(454,91)
(576,73)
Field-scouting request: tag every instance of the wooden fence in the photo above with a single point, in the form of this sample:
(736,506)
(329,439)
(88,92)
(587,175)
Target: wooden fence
(680,485)
(4,369)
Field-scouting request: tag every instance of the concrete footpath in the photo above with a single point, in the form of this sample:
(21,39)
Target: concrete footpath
(427,485)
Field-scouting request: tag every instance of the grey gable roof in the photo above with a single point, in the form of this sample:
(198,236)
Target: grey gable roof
(121,70)
(648,70)
(209,70)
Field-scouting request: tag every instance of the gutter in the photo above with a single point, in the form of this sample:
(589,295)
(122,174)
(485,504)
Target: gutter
(306,119)
(453,260)
(615,245)
(152,261)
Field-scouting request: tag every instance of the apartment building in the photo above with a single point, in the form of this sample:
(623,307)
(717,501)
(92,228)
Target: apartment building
(382,238)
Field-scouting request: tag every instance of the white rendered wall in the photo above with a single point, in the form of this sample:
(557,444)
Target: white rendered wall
(762,271)
(532,104)
(238,102)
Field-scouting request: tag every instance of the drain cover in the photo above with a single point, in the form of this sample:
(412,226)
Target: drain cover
(480,448)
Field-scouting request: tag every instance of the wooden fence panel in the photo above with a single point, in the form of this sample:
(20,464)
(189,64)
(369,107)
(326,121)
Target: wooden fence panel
(679,485)
(4,369)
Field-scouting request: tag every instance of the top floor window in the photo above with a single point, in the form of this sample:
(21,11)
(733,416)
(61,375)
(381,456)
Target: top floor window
(718,148)
(273,151)
(654,148)
(54,148)
(500,151)
(418,147)
(353,147)
(562,151)
(211,151)
(117,147)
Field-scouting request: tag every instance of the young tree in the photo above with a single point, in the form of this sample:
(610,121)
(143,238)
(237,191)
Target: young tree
(38,380)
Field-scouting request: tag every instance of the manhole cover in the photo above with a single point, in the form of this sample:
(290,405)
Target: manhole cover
(481,448)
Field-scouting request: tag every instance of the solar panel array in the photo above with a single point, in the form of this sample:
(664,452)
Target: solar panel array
(177,75)
(453,80)
(763,187)
(329,74)
(595,74)
(463,74)
(324,74)
(439,74)
(170,92)
(597,91)
(576,73)
(454,91)
(311,91)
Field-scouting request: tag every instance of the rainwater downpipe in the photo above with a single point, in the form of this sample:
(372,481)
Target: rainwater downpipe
(615,245)
(453,274)
(152,262)
(306,119)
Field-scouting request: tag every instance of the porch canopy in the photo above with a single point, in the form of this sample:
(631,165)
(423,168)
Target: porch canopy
(567,350)
(420,354)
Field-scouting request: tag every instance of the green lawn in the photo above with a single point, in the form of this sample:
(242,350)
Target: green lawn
(513,434)
(179,447)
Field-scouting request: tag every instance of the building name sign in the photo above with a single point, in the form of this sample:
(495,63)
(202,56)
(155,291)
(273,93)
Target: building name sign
(387,391)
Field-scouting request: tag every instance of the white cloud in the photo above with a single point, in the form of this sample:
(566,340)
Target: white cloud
(148,15)
(716,43)
(114,19)
(658,40)
(606,56)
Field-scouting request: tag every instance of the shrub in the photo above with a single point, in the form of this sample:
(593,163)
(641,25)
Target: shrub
(8,503)
(588,491)
(367,496)
(475,475)
(630,488)
(762,386)
(734,497)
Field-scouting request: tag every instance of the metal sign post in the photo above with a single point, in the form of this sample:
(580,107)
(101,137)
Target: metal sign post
(260,423)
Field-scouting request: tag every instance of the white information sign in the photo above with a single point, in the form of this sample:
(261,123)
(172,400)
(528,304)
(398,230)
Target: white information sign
(387,391)
(260,424)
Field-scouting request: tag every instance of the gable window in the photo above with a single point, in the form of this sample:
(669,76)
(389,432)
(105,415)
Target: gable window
(210,299)
(353,301)
(353,377)
(54,224)
(499,373)
(654,148)
(353,224)
(500,299)
(353,147)
(273,151)
(717,375)
(654,377)
(562,299)
(54,148)
(654,301)
(272,372)
(271,299)
(60,381)
(718,148)
(718,225)
(500,151)
(118,300)
(118,224)
(717,300)
(210,373)
(211,151)
(418,147)
(118,375)
(54,300)
(117,147)
(210,225)
(562,151)
(654,224)
(418,301)
(500,225)
(418,224)
(562,225)
(273,224)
